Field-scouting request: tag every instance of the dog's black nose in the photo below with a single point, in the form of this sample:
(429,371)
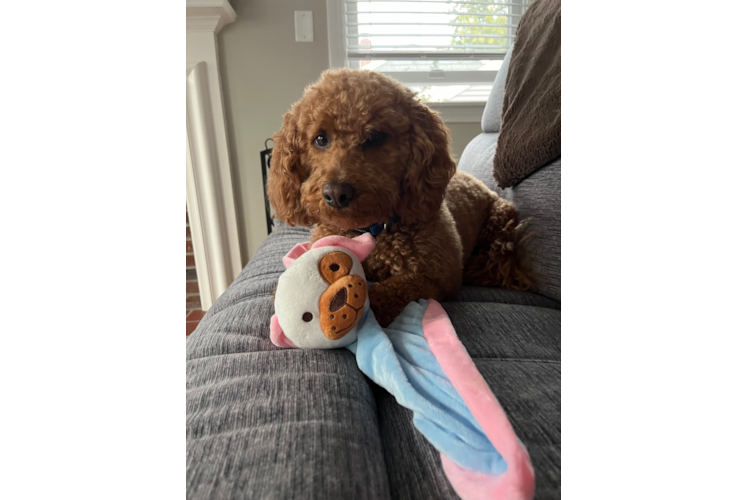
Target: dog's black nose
(338,195)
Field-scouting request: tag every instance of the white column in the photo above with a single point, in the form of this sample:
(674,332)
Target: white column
(210,195)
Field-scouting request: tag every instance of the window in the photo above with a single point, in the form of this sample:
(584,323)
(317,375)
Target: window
(448,51)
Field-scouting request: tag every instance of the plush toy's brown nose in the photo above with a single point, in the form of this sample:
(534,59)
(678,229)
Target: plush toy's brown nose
(338,194)
(341,306)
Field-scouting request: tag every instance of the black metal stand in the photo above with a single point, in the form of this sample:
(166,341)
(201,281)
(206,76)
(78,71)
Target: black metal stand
(265,157)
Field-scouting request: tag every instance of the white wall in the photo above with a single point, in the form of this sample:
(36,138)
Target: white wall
(264,71)
(462,134)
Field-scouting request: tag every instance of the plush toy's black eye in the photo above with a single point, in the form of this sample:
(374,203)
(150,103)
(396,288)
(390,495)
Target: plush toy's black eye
(307,317)
(321,141)
(375,139)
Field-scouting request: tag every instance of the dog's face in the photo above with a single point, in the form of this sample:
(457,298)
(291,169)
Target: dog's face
(357,149)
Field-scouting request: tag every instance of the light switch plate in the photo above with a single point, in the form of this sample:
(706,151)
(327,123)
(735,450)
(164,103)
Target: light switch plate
(304,25)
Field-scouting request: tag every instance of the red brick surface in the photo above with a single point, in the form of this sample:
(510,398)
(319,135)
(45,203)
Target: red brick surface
(193,302)
(194,313)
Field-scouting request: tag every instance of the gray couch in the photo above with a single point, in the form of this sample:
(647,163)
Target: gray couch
(268,423)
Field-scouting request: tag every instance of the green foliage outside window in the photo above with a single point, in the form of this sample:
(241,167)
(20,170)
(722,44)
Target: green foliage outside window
(466,15)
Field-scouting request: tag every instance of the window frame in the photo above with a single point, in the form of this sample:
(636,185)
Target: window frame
(451,112)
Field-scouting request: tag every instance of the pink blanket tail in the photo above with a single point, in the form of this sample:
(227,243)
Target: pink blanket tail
(518,483)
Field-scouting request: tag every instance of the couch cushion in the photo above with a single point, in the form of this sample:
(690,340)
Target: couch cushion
(491,120)
(517,350)
(278,425)
(499,296)
(507,331)
(264,422)
(537,199)
(477,159)
(271,423)
(529,392)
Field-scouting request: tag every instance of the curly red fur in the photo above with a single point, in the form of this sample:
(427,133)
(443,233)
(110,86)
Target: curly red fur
(448,221)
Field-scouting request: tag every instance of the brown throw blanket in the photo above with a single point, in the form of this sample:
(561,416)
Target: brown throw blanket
(530,134)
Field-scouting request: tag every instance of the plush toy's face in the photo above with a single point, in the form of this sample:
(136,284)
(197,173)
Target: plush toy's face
(320,298)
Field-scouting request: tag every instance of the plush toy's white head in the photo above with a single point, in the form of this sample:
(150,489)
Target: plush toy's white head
(322,296)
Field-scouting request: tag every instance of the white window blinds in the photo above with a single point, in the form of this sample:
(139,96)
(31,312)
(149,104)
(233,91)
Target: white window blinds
(433,30)
(447,51)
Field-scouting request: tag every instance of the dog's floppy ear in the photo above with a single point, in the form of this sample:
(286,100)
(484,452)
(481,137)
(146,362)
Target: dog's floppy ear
(287,174)
(431,166)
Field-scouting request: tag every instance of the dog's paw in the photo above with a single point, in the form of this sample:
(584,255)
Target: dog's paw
(381,305)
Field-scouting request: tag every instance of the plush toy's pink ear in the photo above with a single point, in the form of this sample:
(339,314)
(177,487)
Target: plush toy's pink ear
(361,246)
(295,253)
(277,337)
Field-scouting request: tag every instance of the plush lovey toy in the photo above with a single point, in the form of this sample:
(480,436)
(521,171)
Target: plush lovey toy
(322,303)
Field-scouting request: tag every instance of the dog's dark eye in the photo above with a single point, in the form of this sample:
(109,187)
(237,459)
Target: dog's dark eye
(307,316)
(321,141)
(375,139)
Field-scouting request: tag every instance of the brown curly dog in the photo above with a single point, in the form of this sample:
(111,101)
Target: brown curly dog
(359,150)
